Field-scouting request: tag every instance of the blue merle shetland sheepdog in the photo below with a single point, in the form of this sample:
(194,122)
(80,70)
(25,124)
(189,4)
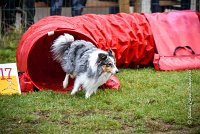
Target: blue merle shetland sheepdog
(91,67)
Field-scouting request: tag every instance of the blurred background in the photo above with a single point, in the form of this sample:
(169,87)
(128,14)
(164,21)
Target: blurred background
(19,15)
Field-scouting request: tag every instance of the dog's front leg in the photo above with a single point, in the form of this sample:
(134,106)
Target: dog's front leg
(89,92)
(95,91)
(66,80)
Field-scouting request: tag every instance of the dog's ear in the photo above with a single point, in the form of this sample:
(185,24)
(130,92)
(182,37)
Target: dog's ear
(111,53)
(102,56)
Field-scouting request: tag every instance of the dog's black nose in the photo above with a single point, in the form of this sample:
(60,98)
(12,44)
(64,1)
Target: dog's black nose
(117,71)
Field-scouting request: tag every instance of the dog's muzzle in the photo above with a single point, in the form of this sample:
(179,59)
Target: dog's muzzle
(115,71)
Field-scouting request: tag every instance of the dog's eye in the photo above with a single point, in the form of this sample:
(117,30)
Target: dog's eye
(109,65)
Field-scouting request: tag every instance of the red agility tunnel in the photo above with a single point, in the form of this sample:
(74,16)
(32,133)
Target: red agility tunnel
(129,35)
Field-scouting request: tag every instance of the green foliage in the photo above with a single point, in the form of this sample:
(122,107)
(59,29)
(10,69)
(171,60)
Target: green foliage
(148,101)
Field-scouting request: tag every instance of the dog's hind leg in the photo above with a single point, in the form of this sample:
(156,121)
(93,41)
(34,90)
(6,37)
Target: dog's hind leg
(77,85)
(66,80)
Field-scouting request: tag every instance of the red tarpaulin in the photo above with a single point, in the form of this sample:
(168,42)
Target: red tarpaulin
(129,35)
(177,39)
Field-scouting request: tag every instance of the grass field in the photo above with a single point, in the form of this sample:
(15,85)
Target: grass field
(147,102)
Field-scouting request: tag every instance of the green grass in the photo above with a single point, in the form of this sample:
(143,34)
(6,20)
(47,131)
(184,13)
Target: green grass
(148,101)
(8,44)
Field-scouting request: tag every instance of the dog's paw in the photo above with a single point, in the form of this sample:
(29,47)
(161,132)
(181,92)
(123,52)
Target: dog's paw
(87,95)
(73,92)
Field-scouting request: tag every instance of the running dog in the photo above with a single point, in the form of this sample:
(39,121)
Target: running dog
(91,67)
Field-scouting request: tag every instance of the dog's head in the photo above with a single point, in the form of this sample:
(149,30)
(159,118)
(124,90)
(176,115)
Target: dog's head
(107,62)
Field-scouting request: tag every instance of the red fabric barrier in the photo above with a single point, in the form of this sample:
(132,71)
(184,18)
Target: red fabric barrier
(129,35)
(177,37)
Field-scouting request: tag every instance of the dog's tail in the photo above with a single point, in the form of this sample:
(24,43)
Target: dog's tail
(60,45)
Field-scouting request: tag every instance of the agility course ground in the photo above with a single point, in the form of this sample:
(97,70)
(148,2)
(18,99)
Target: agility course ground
(148,101)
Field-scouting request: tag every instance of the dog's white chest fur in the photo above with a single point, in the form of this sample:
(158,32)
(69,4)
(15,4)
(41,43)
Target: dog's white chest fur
(98,82)
(91,84)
